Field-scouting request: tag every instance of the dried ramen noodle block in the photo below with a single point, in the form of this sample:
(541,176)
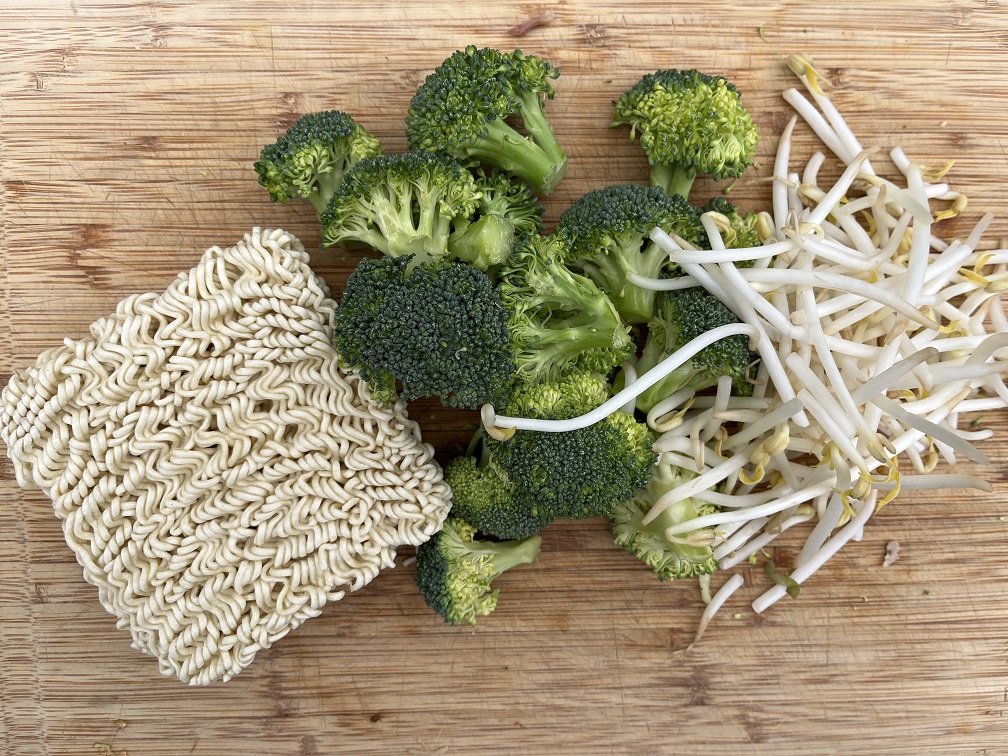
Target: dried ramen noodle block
(219,478)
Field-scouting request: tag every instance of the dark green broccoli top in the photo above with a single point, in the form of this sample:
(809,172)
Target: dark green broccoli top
(440,329)
(520,485)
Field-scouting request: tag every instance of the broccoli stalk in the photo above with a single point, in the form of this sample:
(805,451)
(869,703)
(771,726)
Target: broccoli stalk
(689,123)
(678,557)
(310,159)
(515,488)
(502,146)
(455,571)
(558,318)
(401,205)
(608,230)
(485,243)
(462,107)
(680,317)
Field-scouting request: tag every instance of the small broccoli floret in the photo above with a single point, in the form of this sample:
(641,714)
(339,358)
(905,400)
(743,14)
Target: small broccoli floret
(311,157)
(559,319)
(485,495)
(508,213)
(462,107)
(742,226)
(455,571)
(519,486)
(682,316)
(608,233)
(401,205)
(440,329)
(681,556)
(688,123)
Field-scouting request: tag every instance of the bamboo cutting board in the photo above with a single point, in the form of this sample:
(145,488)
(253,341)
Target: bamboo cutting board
(127,134)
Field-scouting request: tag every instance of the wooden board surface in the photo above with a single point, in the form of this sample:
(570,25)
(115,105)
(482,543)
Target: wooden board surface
(127,133)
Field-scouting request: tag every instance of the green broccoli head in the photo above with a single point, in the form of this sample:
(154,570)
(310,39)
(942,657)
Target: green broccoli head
(440,329)
(311,157)
(455,571)
(401,205)
(463,106)
(683,556)
(688,123)
(519,486)
(681,316)
(559,319)
(608,230)
(508,213)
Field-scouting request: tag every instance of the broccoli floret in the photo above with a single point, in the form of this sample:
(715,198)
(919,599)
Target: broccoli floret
(311,157)
(462,107)
(401,205)
(440,329)
(520,485)
(743,227)
(681,316)
(508,213)
(608,232)
(483,492)
(455,571)
(678,557)
(688,123)
(558,319)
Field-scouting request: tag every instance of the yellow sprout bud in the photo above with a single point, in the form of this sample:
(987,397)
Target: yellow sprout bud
(698,538)
(972,277)
(958,207)
(489,417)
(932,175)
(724,226)
(802,66)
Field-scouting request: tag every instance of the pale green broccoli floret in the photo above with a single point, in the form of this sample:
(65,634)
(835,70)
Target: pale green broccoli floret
(681,556)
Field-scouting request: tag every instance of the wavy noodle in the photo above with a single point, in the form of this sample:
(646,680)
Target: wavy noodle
(219,478)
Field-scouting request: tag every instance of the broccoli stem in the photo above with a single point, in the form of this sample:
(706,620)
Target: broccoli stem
(542,134)
(665,478)
(504,147)
(485,243)
(684,375)
(634,303)
(398,232)
(508,554)
(673,179)
(549,349)
(577,322)
(328,183)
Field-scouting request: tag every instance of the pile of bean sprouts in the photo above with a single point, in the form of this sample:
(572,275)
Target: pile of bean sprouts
(875,337)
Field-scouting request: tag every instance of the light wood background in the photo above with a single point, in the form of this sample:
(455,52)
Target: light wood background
(127,134)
